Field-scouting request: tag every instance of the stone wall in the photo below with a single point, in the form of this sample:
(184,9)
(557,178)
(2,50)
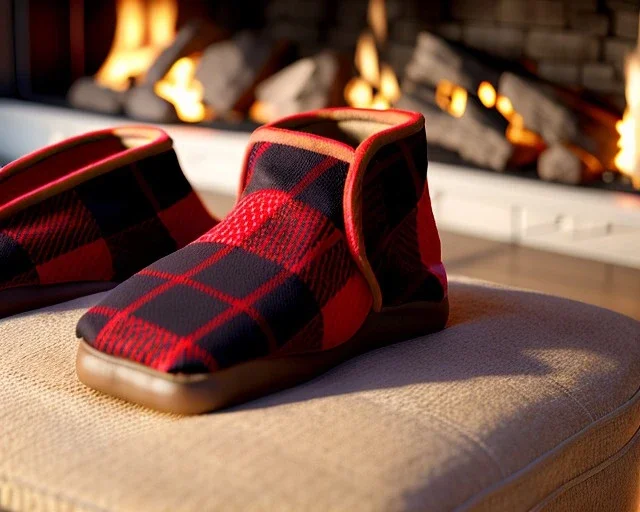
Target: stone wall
(578,43)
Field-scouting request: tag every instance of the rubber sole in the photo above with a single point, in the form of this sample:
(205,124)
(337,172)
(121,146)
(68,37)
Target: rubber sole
(200,393)
(21,299)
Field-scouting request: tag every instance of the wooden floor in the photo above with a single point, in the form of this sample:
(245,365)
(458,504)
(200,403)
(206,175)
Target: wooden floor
(609,286)
(605,285)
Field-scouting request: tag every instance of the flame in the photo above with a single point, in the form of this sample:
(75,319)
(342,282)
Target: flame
(132,53)
(358,93)
(377,84)
(628,159)
(591,162)
(505,107)
(516,132)
(487,94)
(367,59)
(261,112)
(451,98)
(389,87)
(377,17)
(180,87)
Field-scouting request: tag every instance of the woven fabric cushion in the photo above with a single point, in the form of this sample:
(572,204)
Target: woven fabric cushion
(524,401)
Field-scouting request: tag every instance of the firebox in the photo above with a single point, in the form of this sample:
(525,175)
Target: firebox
(541,91)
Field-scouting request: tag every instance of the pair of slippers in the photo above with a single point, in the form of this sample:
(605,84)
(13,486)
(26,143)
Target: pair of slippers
(331,250)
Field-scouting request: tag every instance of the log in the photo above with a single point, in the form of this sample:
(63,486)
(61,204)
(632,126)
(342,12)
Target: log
(304,85)
(194,37)
(435,59)
(490,118)
(559,164)
(85,93)
(230,70)
(541,113)
(472,140)
(144,104)
(570,164)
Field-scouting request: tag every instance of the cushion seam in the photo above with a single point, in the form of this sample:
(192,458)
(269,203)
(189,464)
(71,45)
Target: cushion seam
(526,470)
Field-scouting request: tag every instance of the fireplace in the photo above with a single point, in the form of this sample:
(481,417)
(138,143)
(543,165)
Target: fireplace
(516,93)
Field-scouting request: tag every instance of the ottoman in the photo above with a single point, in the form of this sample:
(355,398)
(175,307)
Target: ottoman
(525,402)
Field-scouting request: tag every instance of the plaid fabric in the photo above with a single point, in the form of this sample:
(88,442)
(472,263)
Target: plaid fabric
(104,229)
(401,237)
(277,275)
(274,277)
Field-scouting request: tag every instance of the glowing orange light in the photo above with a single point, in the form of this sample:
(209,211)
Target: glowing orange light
(518,134)
(185,92)
(131,54)
(358,93)
(377,85)
(591,162)
(505,107)
(451,98)
(377,17)
(487,94)
(389,87)
(627,160)
(366,59)
(261,112)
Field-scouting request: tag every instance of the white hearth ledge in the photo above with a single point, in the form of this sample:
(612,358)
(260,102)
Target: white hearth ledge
(593,224)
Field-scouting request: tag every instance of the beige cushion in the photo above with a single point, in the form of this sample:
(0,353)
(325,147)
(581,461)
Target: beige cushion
(525,401)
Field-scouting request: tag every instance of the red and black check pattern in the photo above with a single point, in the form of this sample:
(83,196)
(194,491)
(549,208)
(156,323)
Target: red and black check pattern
(104,229)
(401,237)
(274,277)
(277,276)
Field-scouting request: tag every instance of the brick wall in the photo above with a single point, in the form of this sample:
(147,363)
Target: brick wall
(574,42)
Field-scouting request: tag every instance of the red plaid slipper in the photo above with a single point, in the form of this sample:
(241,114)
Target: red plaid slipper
(79,216)
(331,250)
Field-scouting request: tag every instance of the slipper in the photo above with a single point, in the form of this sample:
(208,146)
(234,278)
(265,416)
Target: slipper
(80,216)
(331,250)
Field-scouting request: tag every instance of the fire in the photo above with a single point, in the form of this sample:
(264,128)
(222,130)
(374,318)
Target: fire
(487,94)
(180,87)
(377,17)
(377,85)
(140,35)
(451,98)
(628,159)
(143,30)
(516,132)
(505,107)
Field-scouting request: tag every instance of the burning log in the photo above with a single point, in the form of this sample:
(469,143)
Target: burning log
(510,110)
(306,84)
(169,91)
(540,112)
(192,38)
(568,163)
(142,31)
(435,59)
(473,137)
(230,70)
(143,103)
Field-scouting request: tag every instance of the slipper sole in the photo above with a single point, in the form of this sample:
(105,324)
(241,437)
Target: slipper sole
(200,393)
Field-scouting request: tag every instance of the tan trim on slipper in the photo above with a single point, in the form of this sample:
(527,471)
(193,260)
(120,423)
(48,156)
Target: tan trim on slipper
(352,200)
(143,142)
(302,140)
